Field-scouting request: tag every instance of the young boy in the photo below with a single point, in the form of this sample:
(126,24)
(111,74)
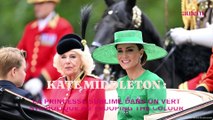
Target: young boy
(12,70)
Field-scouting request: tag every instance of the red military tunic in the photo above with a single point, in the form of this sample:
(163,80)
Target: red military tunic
(203,79)
(80,104)
(41,46)
(192,83)
(207,82)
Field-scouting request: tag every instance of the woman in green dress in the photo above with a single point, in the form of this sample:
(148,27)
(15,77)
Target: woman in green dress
(140,92)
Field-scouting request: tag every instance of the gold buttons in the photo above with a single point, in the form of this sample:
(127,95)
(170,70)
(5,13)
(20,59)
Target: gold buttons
(35,50)
(35,54)
(32,69)
(37,43)
(33,63)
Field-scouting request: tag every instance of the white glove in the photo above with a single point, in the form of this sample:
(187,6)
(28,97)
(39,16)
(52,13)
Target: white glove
(202,36)
(34,86)
(180,35)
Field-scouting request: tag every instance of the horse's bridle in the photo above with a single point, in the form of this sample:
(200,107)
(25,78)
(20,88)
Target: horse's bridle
(167,57)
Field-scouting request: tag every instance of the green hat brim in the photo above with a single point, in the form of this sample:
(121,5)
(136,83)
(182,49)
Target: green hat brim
(107,54)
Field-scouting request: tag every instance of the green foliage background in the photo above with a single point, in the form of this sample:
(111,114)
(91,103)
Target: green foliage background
(15,14)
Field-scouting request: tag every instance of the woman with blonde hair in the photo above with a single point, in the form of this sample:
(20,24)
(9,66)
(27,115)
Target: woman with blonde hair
(77,90)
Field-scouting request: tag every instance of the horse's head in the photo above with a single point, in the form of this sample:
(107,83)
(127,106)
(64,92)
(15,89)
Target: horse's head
(116,17)
(123,15)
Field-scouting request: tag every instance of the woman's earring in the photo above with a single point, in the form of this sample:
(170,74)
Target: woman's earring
(140,58)
(141,55)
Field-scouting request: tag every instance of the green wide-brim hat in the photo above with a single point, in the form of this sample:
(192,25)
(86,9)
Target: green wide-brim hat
(108,54)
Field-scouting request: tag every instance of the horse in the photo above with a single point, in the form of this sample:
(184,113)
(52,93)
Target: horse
(123,15)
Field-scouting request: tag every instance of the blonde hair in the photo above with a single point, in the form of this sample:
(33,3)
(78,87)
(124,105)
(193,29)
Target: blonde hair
(10,57)
(86,59)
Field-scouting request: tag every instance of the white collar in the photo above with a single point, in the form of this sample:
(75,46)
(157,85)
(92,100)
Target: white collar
(42,23)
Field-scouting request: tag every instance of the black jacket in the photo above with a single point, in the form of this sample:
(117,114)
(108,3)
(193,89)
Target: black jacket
(12,87)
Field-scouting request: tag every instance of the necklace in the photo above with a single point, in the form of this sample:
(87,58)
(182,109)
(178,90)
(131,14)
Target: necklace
(76,82)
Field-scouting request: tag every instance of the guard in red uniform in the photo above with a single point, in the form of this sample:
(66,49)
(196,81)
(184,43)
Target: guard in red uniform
(195,40)
(39,40)
(207,83)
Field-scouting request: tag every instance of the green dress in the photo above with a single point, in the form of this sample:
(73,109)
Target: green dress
(144,95)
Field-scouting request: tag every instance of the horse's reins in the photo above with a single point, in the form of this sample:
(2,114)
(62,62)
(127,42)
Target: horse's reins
(168,55)
(166,58)
(136,23)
